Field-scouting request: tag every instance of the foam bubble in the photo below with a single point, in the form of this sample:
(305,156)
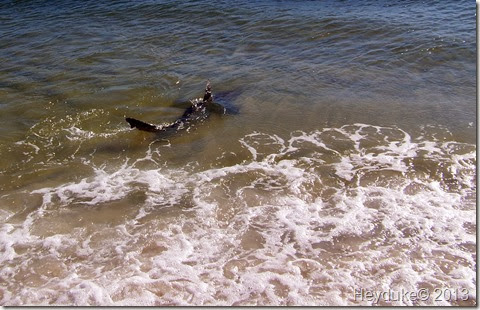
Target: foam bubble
(304,220)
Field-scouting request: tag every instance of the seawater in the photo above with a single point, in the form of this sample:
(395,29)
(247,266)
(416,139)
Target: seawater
(348,166)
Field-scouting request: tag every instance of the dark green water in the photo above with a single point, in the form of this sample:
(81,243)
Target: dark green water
(349,162)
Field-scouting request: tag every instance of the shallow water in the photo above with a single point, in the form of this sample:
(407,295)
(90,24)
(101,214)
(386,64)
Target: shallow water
(349,162)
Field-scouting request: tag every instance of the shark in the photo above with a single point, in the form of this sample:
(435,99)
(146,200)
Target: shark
(196,111)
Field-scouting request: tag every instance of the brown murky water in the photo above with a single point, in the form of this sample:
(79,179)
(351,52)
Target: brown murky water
(346,159)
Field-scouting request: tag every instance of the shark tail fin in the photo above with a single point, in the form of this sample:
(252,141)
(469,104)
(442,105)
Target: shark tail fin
(135,123)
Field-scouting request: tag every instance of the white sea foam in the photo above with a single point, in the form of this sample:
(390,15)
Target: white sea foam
(303,221)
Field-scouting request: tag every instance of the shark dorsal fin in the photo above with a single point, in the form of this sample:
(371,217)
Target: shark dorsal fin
(208,93)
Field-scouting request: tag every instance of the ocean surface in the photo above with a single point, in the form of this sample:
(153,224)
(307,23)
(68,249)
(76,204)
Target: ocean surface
(346,163)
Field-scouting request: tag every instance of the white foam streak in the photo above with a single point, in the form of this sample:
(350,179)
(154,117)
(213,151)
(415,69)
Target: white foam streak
(301,221)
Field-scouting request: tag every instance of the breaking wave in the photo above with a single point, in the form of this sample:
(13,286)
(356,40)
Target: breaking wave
(302,220)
